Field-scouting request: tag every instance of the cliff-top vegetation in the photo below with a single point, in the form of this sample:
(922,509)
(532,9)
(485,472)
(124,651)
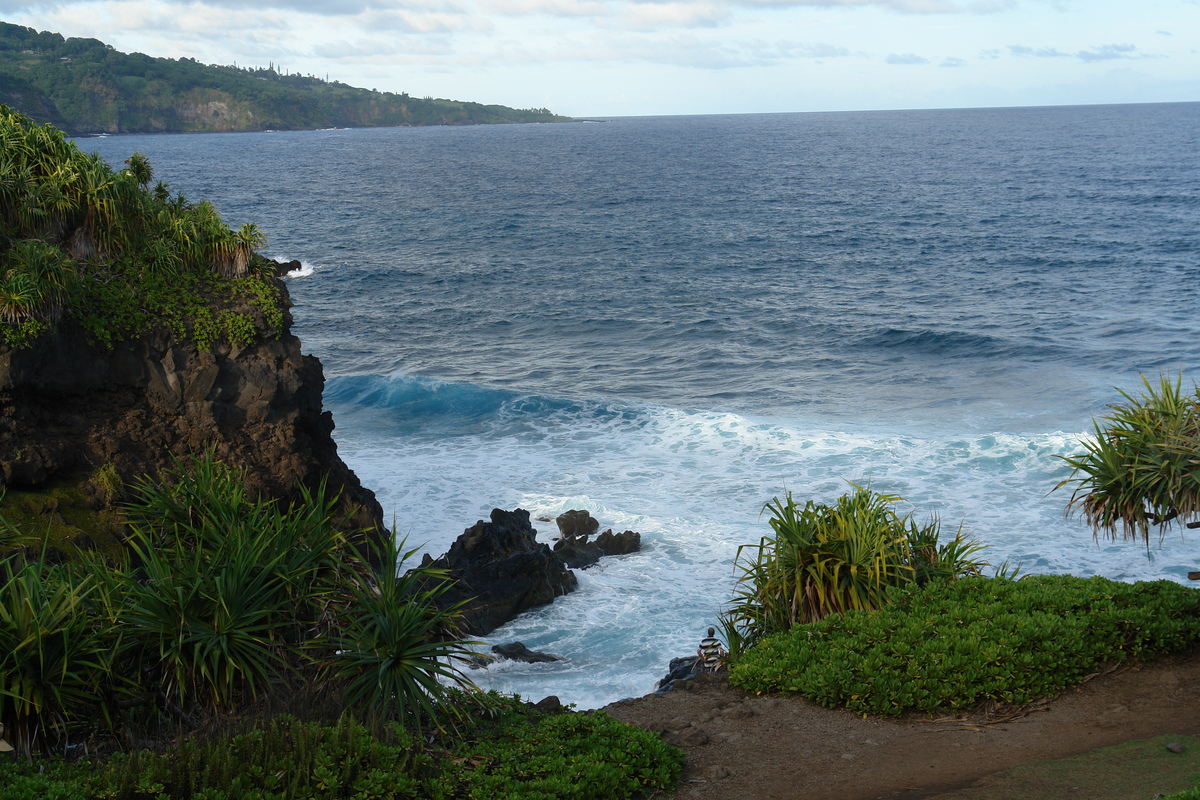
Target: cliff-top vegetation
(82,243)
(84,86)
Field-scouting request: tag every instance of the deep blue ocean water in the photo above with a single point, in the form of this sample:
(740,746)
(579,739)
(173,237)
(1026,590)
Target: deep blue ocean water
(669,320)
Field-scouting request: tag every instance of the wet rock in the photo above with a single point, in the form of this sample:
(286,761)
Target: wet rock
(517,651)
(679,669)
(576,523)
(549,704)
(69,406)
(501,570)
(578,553)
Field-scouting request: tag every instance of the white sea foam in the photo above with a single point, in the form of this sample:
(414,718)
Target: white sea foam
(693,484)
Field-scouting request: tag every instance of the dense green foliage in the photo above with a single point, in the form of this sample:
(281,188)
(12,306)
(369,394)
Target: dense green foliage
(219,600)
(81,242)
(85,86)
(954,644)
(1141,470)
(507,751)
(51,780)
(829,559)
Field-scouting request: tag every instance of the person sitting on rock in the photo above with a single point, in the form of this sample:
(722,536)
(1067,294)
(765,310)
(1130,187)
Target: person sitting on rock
(711,653)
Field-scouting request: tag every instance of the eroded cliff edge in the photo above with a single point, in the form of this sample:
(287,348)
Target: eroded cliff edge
(68,409)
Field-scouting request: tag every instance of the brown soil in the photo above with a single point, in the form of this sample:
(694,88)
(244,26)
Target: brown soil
(759,748)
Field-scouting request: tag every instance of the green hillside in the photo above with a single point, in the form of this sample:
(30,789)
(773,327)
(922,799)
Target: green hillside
(84,86)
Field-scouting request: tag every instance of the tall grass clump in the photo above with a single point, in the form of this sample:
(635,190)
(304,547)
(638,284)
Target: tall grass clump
(829,559)
(1141,469)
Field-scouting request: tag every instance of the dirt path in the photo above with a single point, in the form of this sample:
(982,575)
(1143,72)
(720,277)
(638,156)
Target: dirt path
(772,748)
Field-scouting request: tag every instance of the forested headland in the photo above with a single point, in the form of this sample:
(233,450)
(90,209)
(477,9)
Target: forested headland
(85,86)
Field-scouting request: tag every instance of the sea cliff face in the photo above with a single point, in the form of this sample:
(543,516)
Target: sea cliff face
(68,408)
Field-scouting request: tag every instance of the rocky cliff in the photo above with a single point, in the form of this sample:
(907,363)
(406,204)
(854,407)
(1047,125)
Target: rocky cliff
(68,409)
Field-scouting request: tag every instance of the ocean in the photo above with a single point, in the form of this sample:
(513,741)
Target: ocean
(668,321)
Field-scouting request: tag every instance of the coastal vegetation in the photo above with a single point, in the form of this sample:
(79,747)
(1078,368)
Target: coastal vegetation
(154,660)
(224,609)
(1139,472)
(84,86)
(951,645)
(831,559)
(102,249)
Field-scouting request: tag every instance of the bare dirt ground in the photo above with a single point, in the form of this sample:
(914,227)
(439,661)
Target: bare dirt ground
(763,748)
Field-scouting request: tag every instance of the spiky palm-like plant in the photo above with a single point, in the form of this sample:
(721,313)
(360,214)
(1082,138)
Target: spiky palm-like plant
(1141,470)
(397,647)
(54,657)
(829,559)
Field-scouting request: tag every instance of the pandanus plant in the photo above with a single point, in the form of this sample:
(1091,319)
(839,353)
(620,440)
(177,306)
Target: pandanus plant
(829,559)
(1141,469)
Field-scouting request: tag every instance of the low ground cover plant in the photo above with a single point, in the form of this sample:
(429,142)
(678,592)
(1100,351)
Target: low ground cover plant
(506,751)
(952,645)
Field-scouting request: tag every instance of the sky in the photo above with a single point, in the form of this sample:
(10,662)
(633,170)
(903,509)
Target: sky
(602,58)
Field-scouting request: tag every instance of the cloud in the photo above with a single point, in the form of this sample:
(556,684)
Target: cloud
(1103,52)
(648,16)
(952,62)
(1107,52)
(1041,52)
(905,59)
(901,6)
(810,50)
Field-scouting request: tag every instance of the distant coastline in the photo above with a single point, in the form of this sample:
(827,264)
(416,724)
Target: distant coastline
(87,88)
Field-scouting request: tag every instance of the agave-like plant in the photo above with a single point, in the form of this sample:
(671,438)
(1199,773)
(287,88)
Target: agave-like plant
(398,647)
(829,559)
(223,584)
(54,658)
(1141,470)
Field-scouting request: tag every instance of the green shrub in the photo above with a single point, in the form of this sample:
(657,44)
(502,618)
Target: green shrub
(506,751)
(45,780)
(952,645)
(830,559)
(55,658)
(395,647)
(282,759)
(587,756)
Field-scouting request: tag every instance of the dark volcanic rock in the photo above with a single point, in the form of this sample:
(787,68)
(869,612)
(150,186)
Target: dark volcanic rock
(517,651)
(69,408)
(680,669)
(576,523)
(502,570)
(578,553)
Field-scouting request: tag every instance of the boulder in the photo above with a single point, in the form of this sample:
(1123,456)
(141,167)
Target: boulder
(517,651)
(576,523)
(680,669)
(578,553)
(501,570)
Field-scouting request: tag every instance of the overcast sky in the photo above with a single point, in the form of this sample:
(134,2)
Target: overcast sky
(635,57)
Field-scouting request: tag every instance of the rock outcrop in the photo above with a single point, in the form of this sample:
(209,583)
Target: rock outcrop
(517,651)
(501,570)
(578,553)
(68,408)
